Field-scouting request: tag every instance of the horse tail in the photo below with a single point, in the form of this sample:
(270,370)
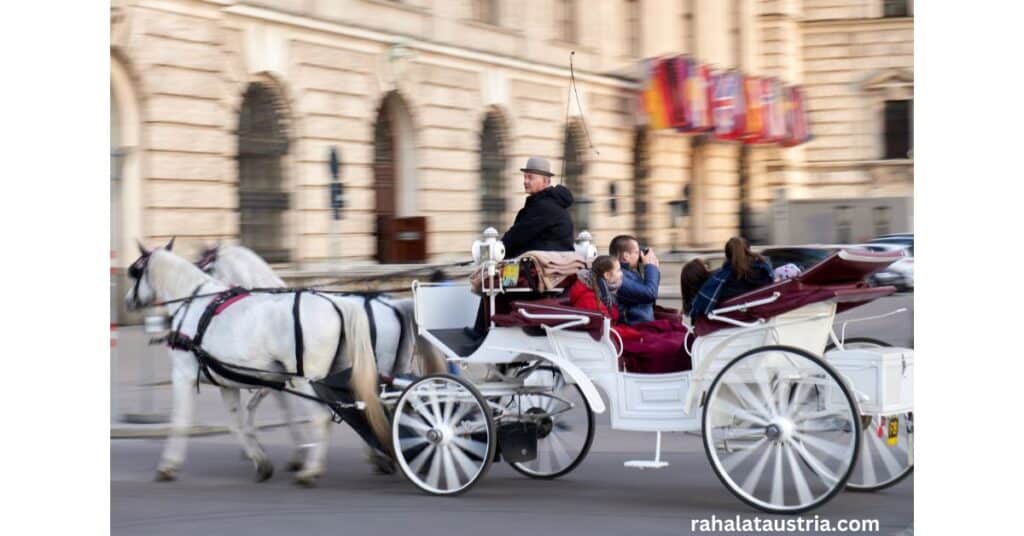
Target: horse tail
(364,372)
(431,361)
(415,346)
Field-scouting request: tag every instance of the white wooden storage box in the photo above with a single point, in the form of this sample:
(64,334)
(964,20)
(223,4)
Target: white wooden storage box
(885,376)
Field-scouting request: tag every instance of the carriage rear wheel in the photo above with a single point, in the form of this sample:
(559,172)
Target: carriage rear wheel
(881,463)
(781,429)
(566,429)
(443,434)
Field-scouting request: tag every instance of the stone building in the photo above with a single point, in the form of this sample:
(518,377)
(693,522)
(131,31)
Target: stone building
(224,113)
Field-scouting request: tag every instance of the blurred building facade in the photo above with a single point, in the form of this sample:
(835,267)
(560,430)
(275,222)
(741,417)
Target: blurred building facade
(223,114)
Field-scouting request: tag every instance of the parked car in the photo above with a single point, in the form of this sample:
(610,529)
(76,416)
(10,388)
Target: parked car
(803,256)
(904,239)
(899,274)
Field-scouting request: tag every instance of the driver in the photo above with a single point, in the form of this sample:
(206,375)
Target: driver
(544,222)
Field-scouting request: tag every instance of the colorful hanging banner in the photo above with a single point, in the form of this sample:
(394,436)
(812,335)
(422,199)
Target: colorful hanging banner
(685,95)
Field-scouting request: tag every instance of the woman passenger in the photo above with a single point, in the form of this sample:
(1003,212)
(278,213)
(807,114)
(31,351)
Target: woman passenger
(742,272)
(693,276)
(594,289)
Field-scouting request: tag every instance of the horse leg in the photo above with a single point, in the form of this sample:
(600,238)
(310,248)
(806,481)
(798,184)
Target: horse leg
(237,424)
(316,455)
(295,431)
(250,414)
(183,389)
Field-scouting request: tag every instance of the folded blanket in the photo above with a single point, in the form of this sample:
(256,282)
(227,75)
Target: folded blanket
(554,266)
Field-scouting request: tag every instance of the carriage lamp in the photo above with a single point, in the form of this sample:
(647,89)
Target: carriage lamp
(489,251)
(584,245)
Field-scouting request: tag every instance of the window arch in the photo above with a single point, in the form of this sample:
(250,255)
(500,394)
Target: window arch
(492,172)
(573,169)
(262,146)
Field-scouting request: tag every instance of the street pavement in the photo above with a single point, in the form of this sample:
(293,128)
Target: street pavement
(216,493)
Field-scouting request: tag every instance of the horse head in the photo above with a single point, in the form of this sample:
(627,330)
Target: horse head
(142,293)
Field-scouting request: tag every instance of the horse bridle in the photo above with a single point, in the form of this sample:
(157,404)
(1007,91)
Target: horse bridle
(207,259)
(136,271)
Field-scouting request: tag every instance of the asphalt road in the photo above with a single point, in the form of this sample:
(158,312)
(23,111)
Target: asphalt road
(216,495)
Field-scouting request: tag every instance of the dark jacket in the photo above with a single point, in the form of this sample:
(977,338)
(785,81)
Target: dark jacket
(722,285)
(542,224)
(638,294)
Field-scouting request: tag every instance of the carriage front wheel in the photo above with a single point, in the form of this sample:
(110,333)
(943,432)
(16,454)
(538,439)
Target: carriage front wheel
(443,434)
(884,461)
(781,429)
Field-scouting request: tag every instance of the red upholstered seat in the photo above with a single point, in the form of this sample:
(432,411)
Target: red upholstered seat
(839,278)
(550,306)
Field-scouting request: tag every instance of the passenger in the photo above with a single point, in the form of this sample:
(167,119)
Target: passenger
(693,276)
(641,275)
(649,347)
(742,272)
(594,289)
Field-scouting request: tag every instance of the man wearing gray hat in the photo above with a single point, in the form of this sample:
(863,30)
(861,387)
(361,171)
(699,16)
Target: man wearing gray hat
(544,222)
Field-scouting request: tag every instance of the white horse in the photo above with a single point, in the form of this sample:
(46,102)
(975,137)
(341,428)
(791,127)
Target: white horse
(256,332)
(392,325)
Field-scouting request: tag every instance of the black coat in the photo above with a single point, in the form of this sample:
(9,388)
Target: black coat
(542,224)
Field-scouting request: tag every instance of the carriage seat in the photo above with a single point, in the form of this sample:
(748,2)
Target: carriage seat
(550,306)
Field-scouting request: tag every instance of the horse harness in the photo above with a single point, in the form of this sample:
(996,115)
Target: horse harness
(218,304)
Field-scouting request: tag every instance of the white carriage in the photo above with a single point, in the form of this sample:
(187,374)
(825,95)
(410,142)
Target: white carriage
(788,413)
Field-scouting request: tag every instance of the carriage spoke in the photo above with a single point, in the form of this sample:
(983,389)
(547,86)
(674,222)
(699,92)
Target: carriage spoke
(734,460)
(464,410)
(434,403)
(834,450)
(766,395)
(434,476)
(417,463)
(868,472)
(817,465)
(888,459)
(407,443)
(755,475)
(476,448)
(468,467)
(777,496)
(740,413)
(802,490)
(741,390)
(414,423)
(798,398)
(560,450)
(782,397)
(450,474)
(422,410)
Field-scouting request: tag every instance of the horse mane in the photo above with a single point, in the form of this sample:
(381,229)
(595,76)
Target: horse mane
(176,277)
(241,266)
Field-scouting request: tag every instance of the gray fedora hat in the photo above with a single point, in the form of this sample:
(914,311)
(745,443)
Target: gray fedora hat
(538,165)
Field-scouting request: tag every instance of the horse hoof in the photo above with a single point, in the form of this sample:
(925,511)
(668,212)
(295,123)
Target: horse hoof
(168,474)
(307,479)
(264,470)
(382,465)
(294,466)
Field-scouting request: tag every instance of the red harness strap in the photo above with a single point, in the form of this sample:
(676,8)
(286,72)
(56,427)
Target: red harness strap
(227,303)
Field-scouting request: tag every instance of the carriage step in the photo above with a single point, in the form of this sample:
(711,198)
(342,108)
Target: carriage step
(656,463)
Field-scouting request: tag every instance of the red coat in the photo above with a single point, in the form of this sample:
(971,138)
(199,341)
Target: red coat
(582,296)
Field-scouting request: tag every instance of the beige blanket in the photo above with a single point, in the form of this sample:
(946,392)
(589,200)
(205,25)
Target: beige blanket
(554,266)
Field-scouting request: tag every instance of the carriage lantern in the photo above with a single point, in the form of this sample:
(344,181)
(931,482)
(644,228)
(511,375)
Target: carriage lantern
(489,251)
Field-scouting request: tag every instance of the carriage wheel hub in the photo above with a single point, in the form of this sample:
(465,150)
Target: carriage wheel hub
(439,435)
(780,430)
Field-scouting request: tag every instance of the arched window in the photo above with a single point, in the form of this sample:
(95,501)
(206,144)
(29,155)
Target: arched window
(641,170)
(572,176)
(262,145)
(492,173)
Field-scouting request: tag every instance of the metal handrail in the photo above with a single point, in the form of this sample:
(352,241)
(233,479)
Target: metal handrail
(574,320)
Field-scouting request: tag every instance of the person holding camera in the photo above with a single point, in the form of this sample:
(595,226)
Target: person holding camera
(641,276)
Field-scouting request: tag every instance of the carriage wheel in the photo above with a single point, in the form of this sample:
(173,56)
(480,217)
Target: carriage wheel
(563,440)
(781,429)
(443,435)
(881,464)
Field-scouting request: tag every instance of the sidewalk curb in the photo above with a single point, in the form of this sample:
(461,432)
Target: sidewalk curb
(198,430)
